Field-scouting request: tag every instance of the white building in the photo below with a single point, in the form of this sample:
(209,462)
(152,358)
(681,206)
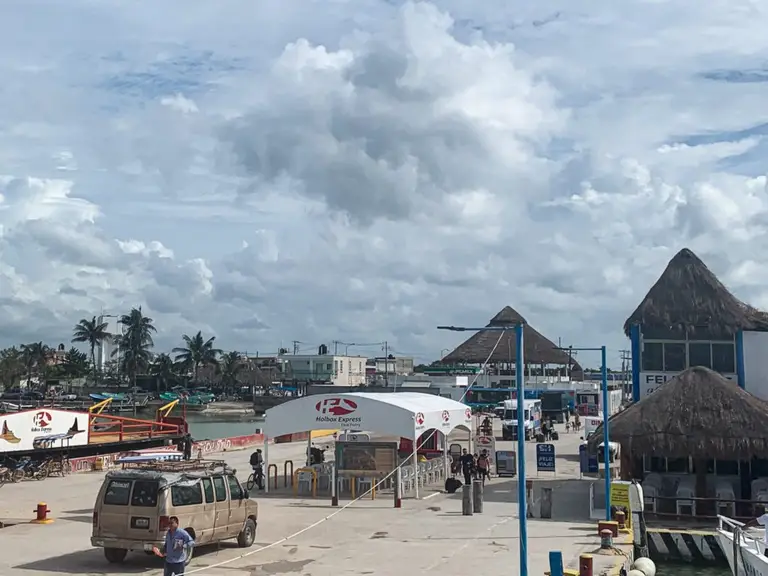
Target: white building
(339,370)
(105,349)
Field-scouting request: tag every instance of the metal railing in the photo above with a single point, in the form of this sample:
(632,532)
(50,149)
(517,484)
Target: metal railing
(709,508)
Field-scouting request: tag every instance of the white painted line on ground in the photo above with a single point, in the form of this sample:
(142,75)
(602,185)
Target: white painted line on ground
(432,495)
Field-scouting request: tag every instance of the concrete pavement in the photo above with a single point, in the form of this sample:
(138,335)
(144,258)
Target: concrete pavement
(369,537)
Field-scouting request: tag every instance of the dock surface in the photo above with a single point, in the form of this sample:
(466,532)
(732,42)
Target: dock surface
(369,537)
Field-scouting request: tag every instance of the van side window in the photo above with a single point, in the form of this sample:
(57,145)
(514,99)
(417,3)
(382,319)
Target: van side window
(221,489)
(118,493)
(186,495)
(235,491)
(208,489)
(144,494)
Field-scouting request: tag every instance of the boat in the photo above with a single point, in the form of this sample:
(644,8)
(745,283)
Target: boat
(101,396)
(743,550)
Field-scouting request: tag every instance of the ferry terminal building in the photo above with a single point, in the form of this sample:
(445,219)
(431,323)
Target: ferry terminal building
(688,318)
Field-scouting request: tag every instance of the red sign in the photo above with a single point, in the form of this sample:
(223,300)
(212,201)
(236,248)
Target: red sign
(419,418)
(42,419)
(468,414)
(446,416)
(336,406)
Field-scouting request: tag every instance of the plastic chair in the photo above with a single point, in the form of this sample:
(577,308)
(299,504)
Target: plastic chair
(685,493)
(724,491)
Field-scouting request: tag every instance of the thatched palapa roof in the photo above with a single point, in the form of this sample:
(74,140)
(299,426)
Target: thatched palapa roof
(698,414)
(537,349)
(689,299)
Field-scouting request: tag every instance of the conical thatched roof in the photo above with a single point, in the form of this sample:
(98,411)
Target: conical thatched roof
(698,414)
(538,350)
(689,299)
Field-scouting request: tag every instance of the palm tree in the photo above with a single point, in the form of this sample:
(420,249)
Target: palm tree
(94,333)
(230,366)
(163,369)
(135,345)
(11,366)
(75,363)
(35,356)
(198,352)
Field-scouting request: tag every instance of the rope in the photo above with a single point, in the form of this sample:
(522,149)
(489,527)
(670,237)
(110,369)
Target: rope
(350,503)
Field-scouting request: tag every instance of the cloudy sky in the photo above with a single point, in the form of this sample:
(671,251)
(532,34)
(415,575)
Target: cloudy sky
(365,170)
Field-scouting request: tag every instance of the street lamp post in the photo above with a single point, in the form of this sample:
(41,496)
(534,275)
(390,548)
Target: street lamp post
(520,381)
(606,449)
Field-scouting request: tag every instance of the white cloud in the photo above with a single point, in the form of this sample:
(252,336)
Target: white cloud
(366,171)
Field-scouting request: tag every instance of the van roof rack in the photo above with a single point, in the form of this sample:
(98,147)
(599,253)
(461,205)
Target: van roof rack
(197,465)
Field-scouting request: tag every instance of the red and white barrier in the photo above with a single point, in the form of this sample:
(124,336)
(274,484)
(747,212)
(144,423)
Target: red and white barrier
(204,447)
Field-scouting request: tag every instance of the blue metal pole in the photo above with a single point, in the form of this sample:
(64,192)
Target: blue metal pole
(521,503)
(606,440)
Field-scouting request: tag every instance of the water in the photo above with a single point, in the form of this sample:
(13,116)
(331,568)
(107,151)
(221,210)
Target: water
(214,426)
(688,570)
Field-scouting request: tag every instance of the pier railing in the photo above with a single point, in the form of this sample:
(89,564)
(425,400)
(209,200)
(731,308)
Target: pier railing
(704,509)
(106,428)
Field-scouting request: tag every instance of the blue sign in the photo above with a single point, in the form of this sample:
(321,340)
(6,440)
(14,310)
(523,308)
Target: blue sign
(587,462)
(545,457)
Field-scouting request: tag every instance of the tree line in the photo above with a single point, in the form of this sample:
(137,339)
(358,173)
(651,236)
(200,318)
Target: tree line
(132,356)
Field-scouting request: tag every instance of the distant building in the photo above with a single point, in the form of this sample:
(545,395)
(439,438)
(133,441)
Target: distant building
(104,350)
(338,370)
(395,366)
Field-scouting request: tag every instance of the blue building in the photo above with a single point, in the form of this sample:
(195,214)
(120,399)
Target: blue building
(689,318)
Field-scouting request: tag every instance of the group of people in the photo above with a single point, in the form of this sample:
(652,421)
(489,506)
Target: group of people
(472,466)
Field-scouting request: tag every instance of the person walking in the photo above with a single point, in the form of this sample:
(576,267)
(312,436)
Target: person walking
(467,466)
(177,549)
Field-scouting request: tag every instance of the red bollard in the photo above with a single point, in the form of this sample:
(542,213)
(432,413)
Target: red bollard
(41,514)
(585,565)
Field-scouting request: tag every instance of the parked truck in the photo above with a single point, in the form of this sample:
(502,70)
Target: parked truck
(554,405)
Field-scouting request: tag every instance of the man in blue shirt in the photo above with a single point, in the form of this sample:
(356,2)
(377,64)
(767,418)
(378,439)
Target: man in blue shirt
(178,544)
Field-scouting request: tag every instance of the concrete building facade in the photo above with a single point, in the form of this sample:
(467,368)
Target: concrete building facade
(339,370)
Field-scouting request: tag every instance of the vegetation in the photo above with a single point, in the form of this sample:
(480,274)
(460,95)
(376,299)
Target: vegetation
(197,362)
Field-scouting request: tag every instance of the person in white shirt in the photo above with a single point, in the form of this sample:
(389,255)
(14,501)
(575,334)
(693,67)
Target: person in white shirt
(762,521)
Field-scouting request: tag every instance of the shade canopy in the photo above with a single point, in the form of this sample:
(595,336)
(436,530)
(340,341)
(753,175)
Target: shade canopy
(697,414)
(401,414)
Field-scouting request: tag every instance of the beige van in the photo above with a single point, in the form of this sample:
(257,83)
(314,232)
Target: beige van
(133,506)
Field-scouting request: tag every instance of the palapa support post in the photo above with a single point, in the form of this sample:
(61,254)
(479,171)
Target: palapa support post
(334,487)
(466,500)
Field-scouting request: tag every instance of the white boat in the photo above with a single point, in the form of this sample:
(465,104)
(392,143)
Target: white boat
(744,550)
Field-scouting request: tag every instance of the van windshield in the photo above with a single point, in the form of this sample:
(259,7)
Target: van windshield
(512,414)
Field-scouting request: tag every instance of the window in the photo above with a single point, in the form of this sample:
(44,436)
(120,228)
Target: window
(656,464)
(328,366)
(118,493)
(700,354)
(336,366)
(144,494)
(724,357)
(674,356)
(221,489)
(341,366)
(349,365)
(186,494)
(235,491)
(727,467)
(208,490)
(678,465)
(653,357)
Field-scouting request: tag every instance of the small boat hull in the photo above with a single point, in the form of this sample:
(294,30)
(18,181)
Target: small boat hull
(746,558)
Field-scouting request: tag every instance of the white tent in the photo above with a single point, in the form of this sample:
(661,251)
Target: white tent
(401,414)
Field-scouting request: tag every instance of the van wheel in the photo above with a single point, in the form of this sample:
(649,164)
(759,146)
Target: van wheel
(115,555)
(247,534)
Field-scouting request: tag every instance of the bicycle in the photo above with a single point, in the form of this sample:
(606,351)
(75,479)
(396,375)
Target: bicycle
(255,479)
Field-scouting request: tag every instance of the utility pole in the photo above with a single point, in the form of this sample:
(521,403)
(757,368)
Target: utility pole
(386,363)
(626,363)
(296,347)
